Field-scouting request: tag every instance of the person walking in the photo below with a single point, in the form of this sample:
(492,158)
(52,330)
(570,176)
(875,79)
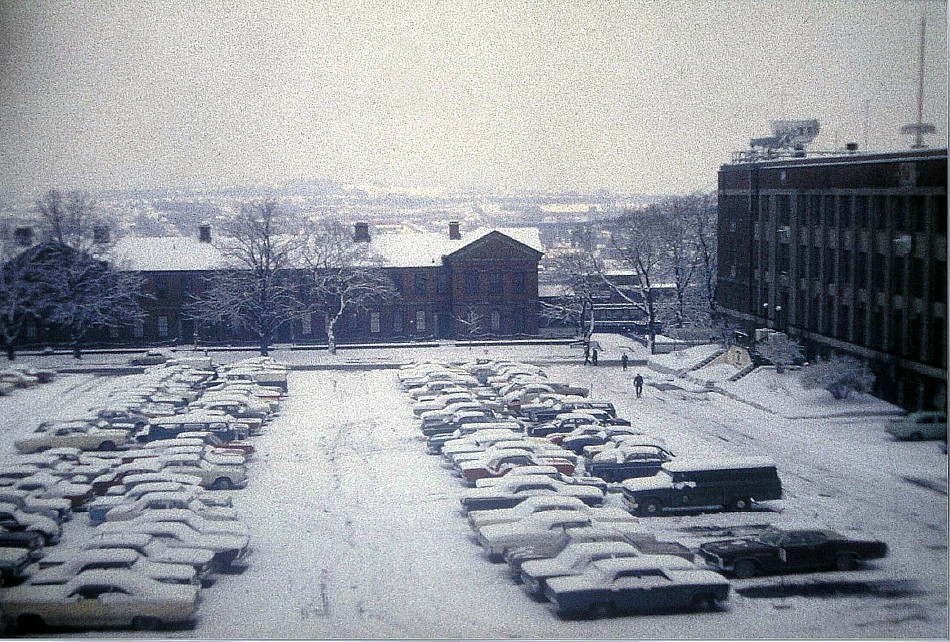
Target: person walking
(593,357)
(586,353)
(624,360)
(638,384)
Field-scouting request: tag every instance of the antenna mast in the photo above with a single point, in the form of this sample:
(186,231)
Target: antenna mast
(920,127)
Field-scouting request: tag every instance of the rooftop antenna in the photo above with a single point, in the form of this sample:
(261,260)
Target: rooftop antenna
(920,128)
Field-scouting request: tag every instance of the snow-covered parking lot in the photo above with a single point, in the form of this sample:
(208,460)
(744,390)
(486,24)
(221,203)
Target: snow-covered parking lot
(356,532)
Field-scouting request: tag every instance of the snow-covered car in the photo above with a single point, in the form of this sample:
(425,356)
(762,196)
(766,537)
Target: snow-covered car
(636,584)
(537,505)
(214,476)
(174,494)
(628,462)
(101,598)
(543,527)
(93,439)
(532,472)
(169,427)
(192,519)
(149,358)
(919,425)
(572,560)
(501,463)
(62,571)
(153,548)
(155,503)
(50,487)
(226,548)
(55,508)
(13,564)
(441,401)
(15,520)
(516,490)
(214,440)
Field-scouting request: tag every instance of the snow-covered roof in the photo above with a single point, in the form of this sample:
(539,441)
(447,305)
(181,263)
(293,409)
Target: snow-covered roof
(181,253)
(725,463)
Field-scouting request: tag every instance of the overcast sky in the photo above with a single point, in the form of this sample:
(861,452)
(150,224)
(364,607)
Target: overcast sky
(627,95)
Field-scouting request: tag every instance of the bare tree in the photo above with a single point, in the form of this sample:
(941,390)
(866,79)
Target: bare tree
(637,241)
(259,289)
(344,275)
(472,322)
(703,215)
(76,286)
(19,290)
(79,292)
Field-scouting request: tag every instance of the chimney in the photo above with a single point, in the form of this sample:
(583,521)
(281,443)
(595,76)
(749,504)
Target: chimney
(454,232)
(23,236)
(361,232)
(100,234)
(204,233)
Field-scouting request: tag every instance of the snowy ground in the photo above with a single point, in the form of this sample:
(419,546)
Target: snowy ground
(356,531)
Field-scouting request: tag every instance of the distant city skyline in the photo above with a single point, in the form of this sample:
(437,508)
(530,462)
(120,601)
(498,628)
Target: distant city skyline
(634,97)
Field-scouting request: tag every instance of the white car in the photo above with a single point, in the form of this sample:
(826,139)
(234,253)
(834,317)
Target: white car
(13,519)
(62,571)
(226,547)
(479,519)
(154,503)
(545,527)
(919,425)
(101,598)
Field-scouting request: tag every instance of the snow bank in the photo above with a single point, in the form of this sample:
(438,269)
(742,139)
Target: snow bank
(784,395)
(683,359)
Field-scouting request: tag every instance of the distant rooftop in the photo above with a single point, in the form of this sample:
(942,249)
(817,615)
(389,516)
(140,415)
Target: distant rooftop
(757,155)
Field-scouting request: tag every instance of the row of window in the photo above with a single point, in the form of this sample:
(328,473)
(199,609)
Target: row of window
(906,336)
(898,213)
(908,275)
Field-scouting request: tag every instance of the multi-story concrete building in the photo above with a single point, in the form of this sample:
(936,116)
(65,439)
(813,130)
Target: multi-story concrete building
(847,253)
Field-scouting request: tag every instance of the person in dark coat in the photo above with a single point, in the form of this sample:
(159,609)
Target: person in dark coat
(638,384)
(586,353)
(624,360)
(593,357)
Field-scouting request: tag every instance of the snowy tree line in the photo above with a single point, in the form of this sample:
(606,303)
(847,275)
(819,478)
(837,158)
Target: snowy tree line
(281,268)
(639,257)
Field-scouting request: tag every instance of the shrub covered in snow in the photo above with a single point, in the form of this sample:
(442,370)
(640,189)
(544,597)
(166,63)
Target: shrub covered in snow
(839,376)
(781,350)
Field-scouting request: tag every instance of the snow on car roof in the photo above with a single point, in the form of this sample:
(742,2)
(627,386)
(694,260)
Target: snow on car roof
(726,463)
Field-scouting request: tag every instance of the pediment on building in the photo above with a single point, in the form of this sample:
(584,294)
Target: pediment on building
(495,246)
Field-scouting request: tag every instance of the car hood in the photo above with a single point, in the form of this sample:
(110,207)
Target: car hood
(733,546)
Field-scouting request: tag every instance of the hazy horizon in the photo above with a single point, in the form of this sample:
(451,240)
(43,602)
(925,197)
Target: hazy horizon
(636,97)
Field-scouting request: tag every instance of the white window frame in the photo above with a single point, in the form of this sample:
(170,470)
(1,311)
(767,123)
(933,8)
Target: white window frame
(374,322)
(420,320)
(495,320)
(306,324)
(138,330)
(161,322)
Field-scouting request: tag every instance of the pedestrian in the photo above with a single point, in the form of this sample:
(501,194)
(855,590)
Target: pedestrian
(638,384)
(593,357)
(624,360)
(586,353)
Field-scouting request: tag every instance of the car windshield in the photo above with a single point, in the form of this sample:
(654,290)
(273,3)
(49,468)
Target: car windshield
(771,536)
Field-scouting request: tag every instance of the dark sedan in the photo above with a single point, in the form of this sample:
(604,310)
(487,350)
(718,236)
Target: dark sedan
(776,550)
(628,462)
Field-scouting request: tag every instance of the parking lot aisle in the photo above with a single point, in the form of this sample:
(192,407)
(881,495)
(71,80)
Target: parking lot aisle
(355,529)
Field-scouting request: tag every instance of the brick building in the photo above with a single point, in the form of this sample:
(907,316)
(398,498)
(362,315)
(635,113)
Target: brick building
(849,254)
(484,276)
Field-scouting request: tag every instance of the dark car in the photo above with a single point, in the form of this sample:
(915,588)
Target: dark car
(684,485)
(537,415)
(628,462)
(29,540)
(776,550)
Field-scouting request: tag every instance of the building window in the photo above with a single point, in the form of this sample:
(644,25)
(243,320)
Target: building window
(859,325)
(397,282)
(939,212)
(843,311)
(878,272)
(397,322)
(896,333)
(306,324)
(374,322)
(31,331)
(800,213)
(938,281)
(442,284)
(916,214)
(845,267)
(138,329)
(880,212)
(764,204)
(861,270)
(814,209)
(162,326)
(519,284)
(420,284)
(784,209)
(113,332)
(917,277)
(420,321)
(471,283)
(495,320)
(937,350)
(161,287)
(897,275)
(828,211)
(782,260)
(861,211)
(844,211)
(494,281)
